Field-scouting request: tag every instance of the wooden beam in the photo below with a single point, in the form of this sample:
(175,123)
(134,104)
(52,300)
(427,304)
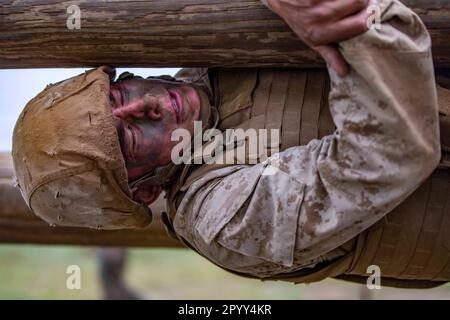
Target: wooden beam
(19,225)
(170,33)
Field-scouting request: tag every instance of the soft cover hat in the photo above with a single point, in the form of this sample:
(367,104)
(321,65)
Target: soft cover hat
(67,157)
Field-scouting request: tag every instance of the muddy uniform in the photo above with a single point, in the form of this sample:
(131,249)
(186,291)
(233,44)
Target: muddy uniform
(349,189)
(353,150)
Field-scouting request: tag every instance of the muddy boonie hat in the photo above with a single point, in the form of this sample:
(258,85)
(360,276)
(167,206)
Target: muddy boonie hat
(67,157)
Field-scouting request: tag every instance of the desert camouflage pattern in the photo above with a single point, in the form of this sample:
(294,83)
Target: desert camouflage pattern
(67,157)
(325,191)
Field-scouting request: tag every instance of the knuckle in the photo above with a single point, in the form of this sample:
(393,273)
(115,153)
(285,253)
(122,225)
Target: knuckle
(312,35)
(320,14)
(325,12)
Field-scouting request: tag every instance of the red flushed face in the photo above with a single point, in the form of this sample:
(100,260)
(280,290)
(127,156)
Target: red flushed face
(147,111)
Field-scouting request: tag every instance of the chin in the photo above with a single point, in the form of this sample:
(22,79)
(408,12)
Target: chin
(136,173)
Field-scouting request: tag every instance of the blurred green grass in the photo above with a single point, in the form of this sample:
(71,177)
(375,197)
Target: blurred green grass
(39,272)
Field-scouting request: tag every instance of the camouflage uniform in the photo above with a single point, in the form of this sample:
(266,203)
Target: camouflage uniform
(351,187)
(328,191)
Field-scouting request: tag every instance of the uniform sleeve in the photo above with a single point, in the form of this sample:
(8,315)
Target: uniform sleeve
(315,197)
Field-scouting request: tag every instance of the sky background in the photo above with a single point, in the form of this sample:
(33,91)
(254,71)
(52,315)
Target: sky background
(18,86)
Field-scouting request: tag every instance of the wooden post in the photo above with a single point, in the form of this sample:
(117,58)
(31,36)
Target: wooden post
(19,225)
(176,33)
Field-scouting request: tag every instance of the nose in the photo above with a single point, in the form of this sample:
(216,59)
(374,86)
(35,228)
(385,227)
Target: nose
(147,106)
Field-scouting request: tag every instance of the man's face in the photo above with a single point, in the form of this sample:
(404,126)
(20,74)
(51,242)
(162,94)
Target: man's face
(147,111)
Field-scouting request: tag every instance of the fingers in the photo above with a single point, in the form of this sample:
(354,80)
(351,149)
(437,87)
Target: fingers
(320,22)
(333,58)
(335,10)
(340,30)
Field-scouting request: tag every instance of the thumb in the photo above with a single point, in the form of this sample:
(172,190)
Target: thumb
(333,58)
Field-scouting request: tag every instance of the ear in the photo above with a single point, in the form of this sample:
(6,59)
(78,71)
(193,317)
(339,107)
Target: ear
(110,71)
(147,194)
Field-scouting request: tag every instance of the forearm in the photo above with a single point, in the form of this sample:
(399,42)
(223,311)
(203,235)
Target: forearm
(388,104)
(326,192)
(387,137)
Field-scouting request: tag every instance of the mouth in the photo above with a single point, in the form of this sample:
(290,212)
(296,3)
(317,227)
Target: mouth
(133,138)
(177,104)
(127,139)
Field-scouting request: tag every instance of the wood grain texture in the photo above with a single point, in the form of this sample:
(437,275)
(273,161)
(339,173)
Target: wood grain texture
(170,33)
(19,225)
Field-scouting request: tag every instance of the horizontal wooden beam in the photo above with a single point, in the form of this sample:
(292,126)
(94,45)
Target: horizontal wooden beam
(170,33)
(19,225)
